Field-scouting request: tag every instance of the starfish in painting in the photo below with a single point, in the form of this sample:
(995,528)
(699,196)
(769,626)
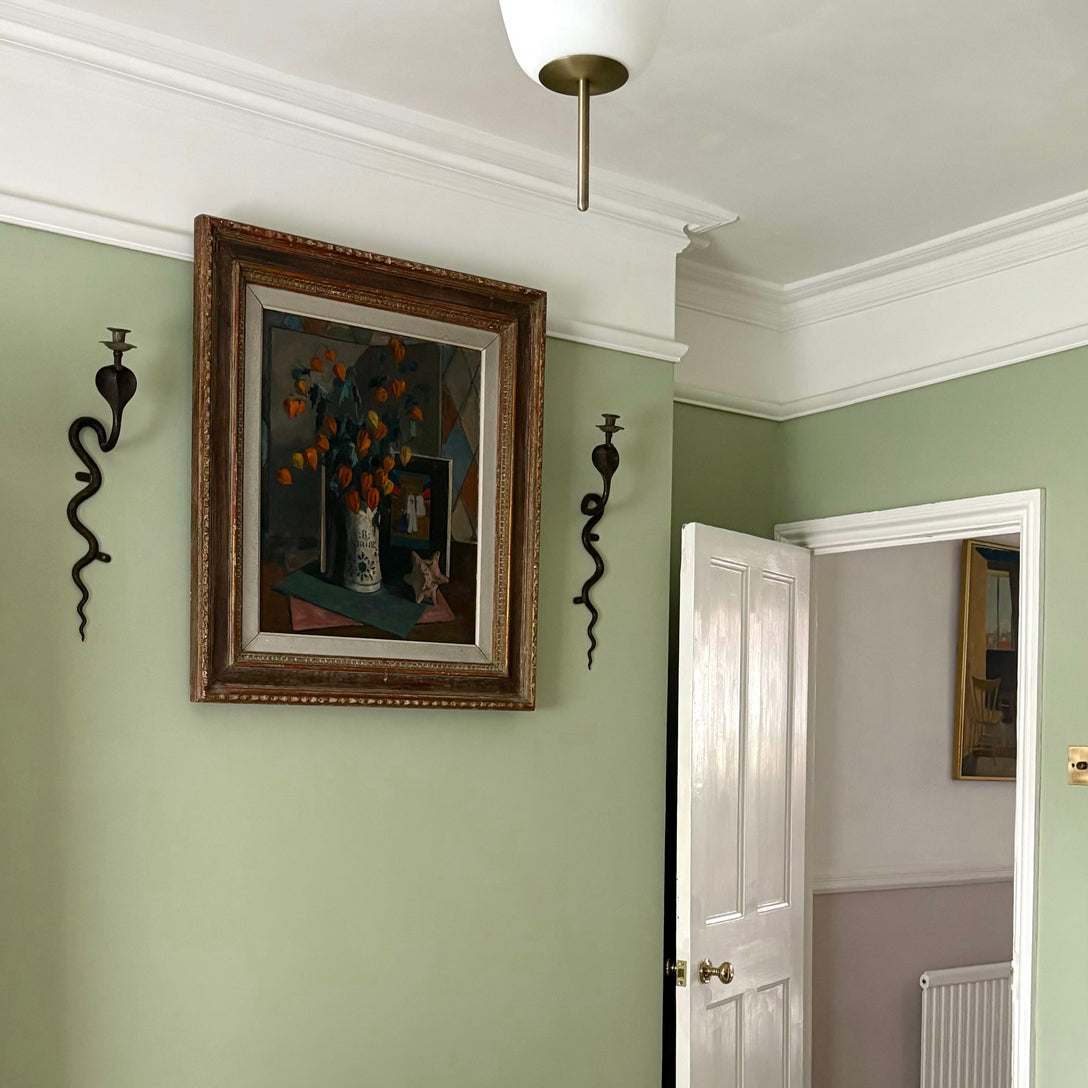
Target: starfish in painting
(425,578)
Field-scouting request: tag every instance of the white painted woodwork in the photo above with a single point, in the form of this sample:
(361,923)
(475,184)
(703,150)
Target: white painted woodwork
(1019,512)
(995,294)
(884,809)
(840,130)
(743,701)
(317,154)
(163,130)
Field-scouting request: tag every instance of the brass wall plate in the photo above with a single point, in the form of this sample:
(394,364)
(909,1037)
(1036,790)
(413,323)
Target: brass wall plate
(1078,766)
(678,968)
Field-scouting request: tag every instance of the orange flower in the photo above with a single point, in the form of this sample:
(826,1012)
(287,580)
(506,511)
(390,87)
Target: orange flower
(381,395)
(331,425)
(373,498)
(372,418)
(330,355)
(388,464)
(397,387)
(302,385)
(405,454)
(362,441)
(380,431)
(294,407)
(317,364)
(396,348)
(343,475)
(284,475)
(366,482)
(387,486)
(322,443)
(379,475)
(340,371)
(417,414)
(296,460)
(352,499)
(311,456)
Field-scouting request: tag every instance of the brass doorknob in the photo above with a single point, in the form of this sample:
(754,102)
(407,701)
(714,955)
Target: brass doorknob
(707,971)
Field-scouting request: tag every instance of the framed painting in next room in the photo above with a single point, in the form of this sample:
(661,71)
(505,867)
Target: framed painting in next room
(985,738)
(366,477)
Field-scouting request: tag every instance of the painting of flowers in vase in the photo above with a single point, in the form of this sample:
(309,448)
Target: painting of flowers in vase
(370,482)
(366,477)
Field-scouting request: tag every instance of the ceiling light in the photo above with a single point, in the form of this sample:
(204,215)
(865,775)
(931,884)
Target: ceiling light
(583,48)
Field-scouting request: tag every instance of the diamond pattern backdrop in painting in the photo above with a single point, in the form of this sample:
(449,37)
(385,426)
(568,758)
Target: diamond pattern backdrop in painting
(461,435)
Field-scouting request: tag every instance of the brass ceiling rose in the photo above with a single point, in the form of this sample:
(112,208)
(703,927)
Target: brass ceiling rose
(602,74)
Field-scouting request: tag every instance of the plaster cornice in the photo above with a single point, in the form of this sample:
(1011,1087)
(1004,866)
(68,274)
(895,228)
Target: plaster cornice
(997,293)
(400,140)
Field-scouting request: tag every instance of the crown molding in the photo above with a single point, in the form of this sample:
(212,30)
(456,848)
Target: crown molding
(625,340)
(999,293)
(999,245)
(164,242)
(962,366)
(392,138)
(701,397)
(93,226)
(712,290)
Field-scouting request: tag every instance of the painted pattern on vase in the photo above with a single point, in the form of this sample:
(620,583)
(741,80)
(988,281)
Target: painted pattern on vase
(362,564)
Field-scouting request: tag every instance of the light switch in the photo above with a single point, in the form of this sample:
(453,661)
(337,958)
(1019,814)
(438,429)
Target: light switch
(1078,766)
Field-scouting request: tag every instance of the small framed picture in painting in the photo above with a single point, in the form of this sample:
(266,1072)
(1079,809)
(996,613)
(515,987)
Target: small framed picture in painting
(366,478)
(985,737)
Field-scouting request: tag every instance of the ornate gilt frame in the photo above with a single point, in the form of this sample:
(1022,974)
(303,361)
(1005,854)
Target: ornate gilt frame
(232,256)
(967,606)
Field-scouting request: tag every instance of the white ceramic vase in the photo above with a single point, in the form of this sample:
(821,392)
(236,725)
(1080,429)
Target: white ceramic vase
(362,568)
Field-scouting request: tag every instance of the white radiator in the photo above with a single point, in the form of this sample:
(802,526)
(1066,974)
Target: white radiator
(967,1027)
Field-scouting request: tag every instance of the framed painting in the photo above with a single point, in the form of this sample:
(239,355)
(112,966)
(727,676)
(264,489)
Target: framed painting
(985,737)
(366,477)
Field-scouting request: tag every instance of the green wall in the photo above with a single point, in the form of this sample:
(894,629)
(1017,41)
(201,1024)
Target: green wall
(265,897)
(1017,427)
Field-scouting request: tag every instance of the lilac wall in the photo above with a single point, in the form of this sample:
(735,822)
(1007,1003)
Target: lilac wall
(868,951)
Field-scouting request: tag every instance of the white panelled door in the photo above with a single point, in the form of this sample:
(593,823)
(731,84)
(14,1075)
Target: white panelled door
(740,898)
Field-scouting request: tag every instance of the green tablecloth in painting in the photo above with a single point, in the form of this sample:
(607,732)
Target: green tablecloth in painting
(383,609)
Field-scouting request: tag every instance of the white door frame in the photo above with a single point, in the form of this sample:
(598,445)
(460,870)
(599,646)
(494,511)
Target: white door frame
(989,515)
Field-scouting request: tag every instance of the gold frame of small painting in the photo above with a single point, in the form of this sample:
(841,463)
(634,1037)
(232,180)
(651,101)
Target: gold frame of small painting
(985,742)
(366,477)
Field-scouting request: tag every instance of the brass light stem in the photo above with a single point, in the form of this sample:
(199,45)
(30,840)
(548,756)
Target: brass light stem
(584,75)
(583,145)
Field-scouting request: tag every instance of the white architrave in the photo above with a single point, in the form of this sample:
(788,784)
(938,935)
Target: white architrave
(988,515)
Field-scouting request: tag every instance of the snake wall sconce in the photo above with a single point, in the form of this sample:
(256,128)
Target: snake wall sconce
(117,384)
(606,459)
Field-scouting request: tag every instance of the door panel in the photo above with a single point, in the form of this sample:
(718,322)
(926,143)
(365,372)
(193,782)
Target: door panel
(771,748)
(717,767)
(741,746)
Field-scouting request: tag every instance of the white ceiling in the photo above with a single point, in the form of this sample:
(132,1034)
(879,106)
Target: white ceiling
(838,130)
